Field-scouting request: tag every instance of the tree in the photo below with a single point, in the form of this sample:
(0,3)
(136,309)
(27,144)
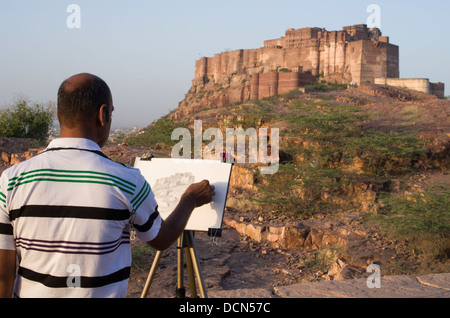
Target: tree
(23,120)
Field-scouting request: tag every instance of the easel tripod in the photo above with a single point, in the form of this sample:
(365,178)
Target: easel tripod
(185,245)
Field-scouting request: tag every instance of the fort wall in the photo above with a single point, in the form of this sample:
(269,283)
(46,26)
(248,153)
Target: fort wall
(418,84)
(269,84)
(354,54)
(437,89)
(302,56)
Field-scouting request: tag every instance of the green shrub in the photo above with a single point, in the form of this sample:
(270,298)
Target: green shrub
(422,220)
(295,93)
(339,138)
(387,154)
(326,87)
(297,189)
(27,121)
(329,137)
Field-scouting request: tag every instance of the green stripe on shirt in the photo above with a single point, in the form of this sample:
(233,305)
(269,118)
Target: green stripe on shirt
(3,199)
(23,180)
(71,181)
(141,196)
(73,172)
(74,177)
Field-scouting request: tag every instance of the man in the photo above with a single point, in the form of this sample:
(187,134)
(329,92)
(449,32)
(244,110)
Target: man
(66,214)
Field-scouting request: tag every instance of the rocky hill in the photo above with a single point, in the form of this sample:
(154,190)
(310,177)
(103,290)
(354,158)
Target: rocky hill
(363,177)
(375,155)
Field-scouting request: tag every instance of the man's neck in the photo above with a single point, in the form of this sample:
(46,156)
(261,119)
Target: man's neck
(78,133)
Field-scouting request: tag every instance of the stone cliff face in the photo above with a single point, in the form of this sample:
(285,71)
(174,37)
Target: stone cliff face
(355,54)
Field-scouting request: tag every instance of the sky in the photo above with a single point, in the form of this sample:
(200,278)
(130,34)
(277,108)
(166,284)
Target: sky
(146,50)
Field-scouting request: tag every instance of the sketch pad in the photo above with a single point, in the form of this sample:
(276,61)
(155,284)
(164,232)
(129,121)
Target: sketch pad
(169,178)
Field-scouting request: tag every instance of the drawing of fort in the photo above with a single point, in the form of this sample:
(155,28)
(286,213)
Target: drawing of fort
(169,190)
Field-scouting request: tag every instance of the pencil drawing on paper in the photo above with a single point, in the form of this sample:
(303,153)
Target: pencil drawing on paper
(169,190)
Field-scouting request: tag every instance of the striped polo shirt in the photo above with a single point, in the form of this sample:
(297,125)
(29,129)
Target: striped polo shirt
(68,213)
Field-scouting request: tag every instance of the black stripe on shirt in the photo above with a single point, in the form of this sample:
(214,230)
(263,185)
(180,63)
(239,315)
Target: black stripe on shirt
(78,212)
(67,247)
(85,282)
(6,229)
(147,225)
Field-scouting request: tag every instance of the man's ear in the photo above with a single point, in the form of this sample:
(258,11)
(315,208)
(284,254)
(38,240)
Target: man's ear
(103,116)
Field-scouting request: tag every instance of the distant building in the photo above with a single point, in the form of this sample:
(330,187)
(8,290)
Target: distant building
(418,84)
(355,55)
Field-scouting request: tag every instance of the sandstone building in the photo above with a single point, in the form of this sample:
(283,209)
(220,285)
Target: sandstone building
(354,54)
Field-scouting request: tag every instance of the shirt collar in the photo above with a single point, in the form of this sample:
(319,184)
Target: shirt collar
(80,143)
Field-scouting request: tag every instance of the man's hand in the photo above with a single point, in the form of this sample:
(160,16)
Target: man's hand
(201,193)
(196,195)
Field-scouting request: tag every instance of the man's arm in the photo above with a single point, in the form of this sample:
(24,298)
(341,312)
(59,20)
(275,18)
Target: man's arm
(196,195)
(7,273)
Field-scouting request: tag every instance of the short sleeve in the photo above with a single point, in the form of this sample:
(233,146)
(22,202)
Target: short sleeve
(6,230)
(145,218)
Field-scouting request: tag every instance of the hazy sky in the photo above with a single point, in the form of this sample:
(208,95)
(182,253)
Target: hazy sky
(146,50)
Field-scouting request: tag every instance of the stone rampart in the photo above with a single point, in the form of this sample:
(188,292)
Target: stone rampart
(270,84)
(417,84)
(354,54)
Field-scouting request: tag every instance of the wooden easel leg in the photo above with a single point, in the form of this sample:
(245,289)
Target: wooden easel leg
(151,274)
(186,241)
(196,265)
(180,290)
(191,274)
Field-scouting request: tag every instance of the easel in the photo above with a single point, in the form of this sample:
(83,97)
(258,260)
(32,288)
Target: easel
(185,242)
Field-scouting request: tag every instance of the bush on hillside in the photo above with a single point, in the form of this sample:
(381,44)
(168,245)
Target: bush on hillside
(23,120)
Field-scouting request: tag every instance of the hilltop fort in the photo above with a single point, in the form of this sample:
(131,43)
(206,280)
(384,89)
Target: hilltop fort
(356,54)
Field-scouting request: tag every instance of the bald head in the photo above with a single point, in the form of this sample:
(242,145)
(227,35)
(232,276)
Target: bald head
(80,97)
(79,80)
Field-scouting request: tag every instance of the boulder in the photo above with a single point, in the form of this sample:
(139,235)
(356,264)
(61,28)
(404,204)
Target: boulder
(294,237)
(256,232)
(242,177)
(6,157)
(16,158)
(340,270)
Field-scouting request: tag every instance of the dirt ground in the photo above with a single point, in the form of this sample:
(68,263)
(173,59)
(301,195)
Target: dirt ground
(227,263)
(234,262)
